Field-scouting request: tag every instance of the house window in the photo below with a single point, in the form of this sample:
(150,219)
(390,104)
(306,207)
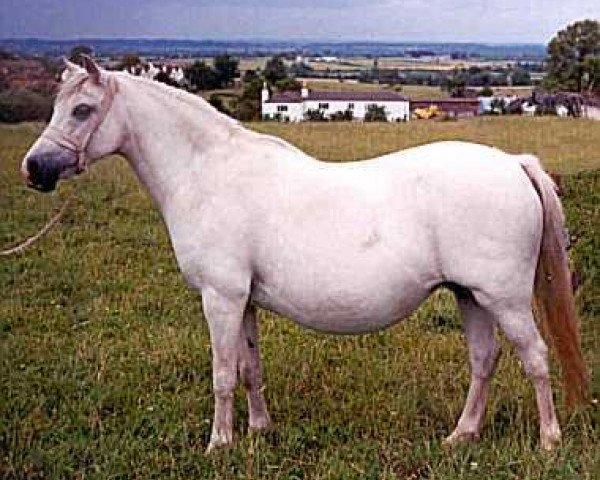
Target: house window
(350,106)
(282,108)
(323,106)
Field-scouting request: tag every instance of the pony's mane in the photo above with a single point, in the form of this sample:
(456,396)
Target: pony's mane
(195,101)
(184,96)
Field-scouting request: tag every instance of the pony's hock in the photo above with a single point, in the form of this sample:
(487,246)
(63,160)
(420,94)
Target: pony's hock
(255,221)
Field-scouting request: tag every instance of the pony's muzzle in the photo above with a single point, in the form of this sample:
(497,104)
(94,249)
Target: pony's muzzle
(42,171)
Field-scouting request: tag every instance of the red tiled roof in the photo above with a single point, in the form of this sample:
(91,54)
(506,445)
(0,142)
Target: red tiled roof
(285,97)
(343,96)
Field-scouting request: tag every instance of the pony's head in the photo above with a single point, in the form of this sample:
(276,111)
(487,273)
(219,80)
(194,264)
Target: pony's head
(84,126)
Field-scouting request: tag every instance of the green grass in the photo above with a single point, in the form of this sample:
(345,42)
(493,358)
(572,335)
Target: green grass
(105,357)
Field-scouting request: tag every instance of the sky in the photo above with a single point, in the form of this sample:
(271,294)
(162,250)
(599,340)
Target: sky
(500,21)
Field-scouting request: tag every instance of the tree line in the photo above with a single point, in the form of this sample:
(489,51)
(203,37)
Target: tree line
(572,65)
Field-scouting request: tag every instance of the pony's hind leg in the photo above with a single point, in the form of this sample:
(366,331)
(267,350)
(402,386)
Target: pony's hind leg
(520,329)
(479,327)
(251,372)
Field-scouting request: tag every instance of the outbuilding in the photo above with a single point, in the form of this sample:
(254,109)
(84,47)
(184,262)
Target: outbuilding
(294,106)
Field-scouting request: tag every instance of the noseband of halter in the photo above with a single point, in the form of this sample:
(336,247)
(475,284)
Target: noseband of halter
(79,145)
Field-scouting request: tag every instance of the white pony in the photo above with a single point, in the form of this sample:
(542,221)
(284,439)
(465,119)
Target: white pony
(342,248)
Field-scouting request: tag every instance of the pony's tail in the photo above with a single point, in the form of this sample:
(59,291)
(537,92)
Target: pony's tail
(553,295)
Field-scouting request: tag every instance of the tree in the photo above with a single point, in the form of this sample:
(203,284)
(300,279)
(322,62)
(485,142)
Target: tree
(77,51)
(249,76)
(128,61)
(247,108)
(288,84)
(375,113)
(275,70)
(201,76)
(226,69)
(456,83)
(520,77)
(23,105)
(573,55)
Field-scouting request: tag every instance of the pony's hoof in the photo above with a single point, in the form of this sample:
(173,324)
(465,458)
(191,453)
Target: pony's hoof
(258,425)
(550,437)
(460,437)
(549,443)
(218,442)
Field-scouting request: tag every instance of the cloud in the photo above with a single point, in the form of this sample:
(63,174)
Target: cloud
(402,20)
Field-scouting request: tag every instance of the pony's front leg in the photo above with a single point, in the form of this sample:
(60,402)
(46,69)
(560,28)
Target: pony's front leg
(224,314)
(251,372)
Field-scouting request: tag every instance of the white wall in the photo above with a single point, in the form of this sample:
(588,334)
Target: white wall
(295,111)
(394,110)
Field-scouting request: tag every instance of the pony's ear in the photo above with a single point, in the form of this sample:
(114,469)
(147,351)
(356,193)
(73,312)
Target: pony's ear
(91,67)
(70,69)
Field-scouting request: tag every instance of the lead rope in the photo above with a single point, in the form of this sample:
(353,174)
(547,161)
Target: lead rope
(44,230)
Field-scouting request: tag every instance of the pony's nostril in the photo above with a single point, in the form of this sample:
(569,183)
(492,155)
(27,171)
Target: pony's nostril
(33,166)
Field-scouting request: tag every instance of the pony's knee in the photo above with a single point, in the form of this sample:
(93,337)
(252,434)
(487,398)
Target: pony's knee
(224,380)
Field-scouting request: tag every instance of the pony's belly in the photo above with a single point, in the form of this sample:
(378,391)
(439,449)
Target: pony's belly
(341,312)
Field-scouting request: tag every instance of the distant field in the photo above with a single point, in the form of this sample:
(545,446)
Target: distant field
(402,63)
(343,86)
(353,63)
(105,357)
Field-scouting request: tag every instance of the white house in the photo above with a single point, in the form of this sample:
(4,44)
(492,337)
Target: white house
(292,106)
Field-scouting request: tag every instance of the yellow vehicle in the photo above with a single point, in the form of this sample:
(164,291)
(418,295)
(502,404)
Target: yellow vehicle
(427,113)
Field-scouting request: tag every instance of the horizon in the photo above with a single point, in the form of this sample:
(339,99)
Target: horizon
(273,40)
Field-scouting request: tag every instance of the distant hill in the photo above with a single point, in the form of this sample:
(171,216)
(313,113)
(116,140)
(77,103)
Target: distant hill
(199,48)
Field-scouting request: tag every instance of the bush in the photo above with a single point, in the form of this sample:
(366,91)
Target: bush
(315,115)
(486,92)
(345,116)
(247,110)
(217,102)
(23,105)
(375,113)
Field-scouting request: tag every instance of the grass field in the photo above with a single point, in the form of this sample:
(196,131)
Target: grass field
(105,357)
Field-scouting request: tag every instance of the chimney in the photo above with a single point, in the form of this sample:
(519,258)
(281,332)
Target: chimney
(304,91)
(265,93)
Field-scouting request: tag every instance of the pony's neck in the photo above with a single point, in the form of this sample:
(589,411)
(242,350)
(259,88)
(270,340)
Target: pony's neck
(173,136)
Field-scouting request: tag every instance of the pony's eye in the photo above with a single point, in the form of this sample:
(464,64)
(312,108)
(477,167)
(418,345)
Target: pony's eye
(82,111)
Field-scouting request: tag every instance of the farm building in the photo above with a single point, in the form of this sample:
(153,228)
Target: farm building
(294,106)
